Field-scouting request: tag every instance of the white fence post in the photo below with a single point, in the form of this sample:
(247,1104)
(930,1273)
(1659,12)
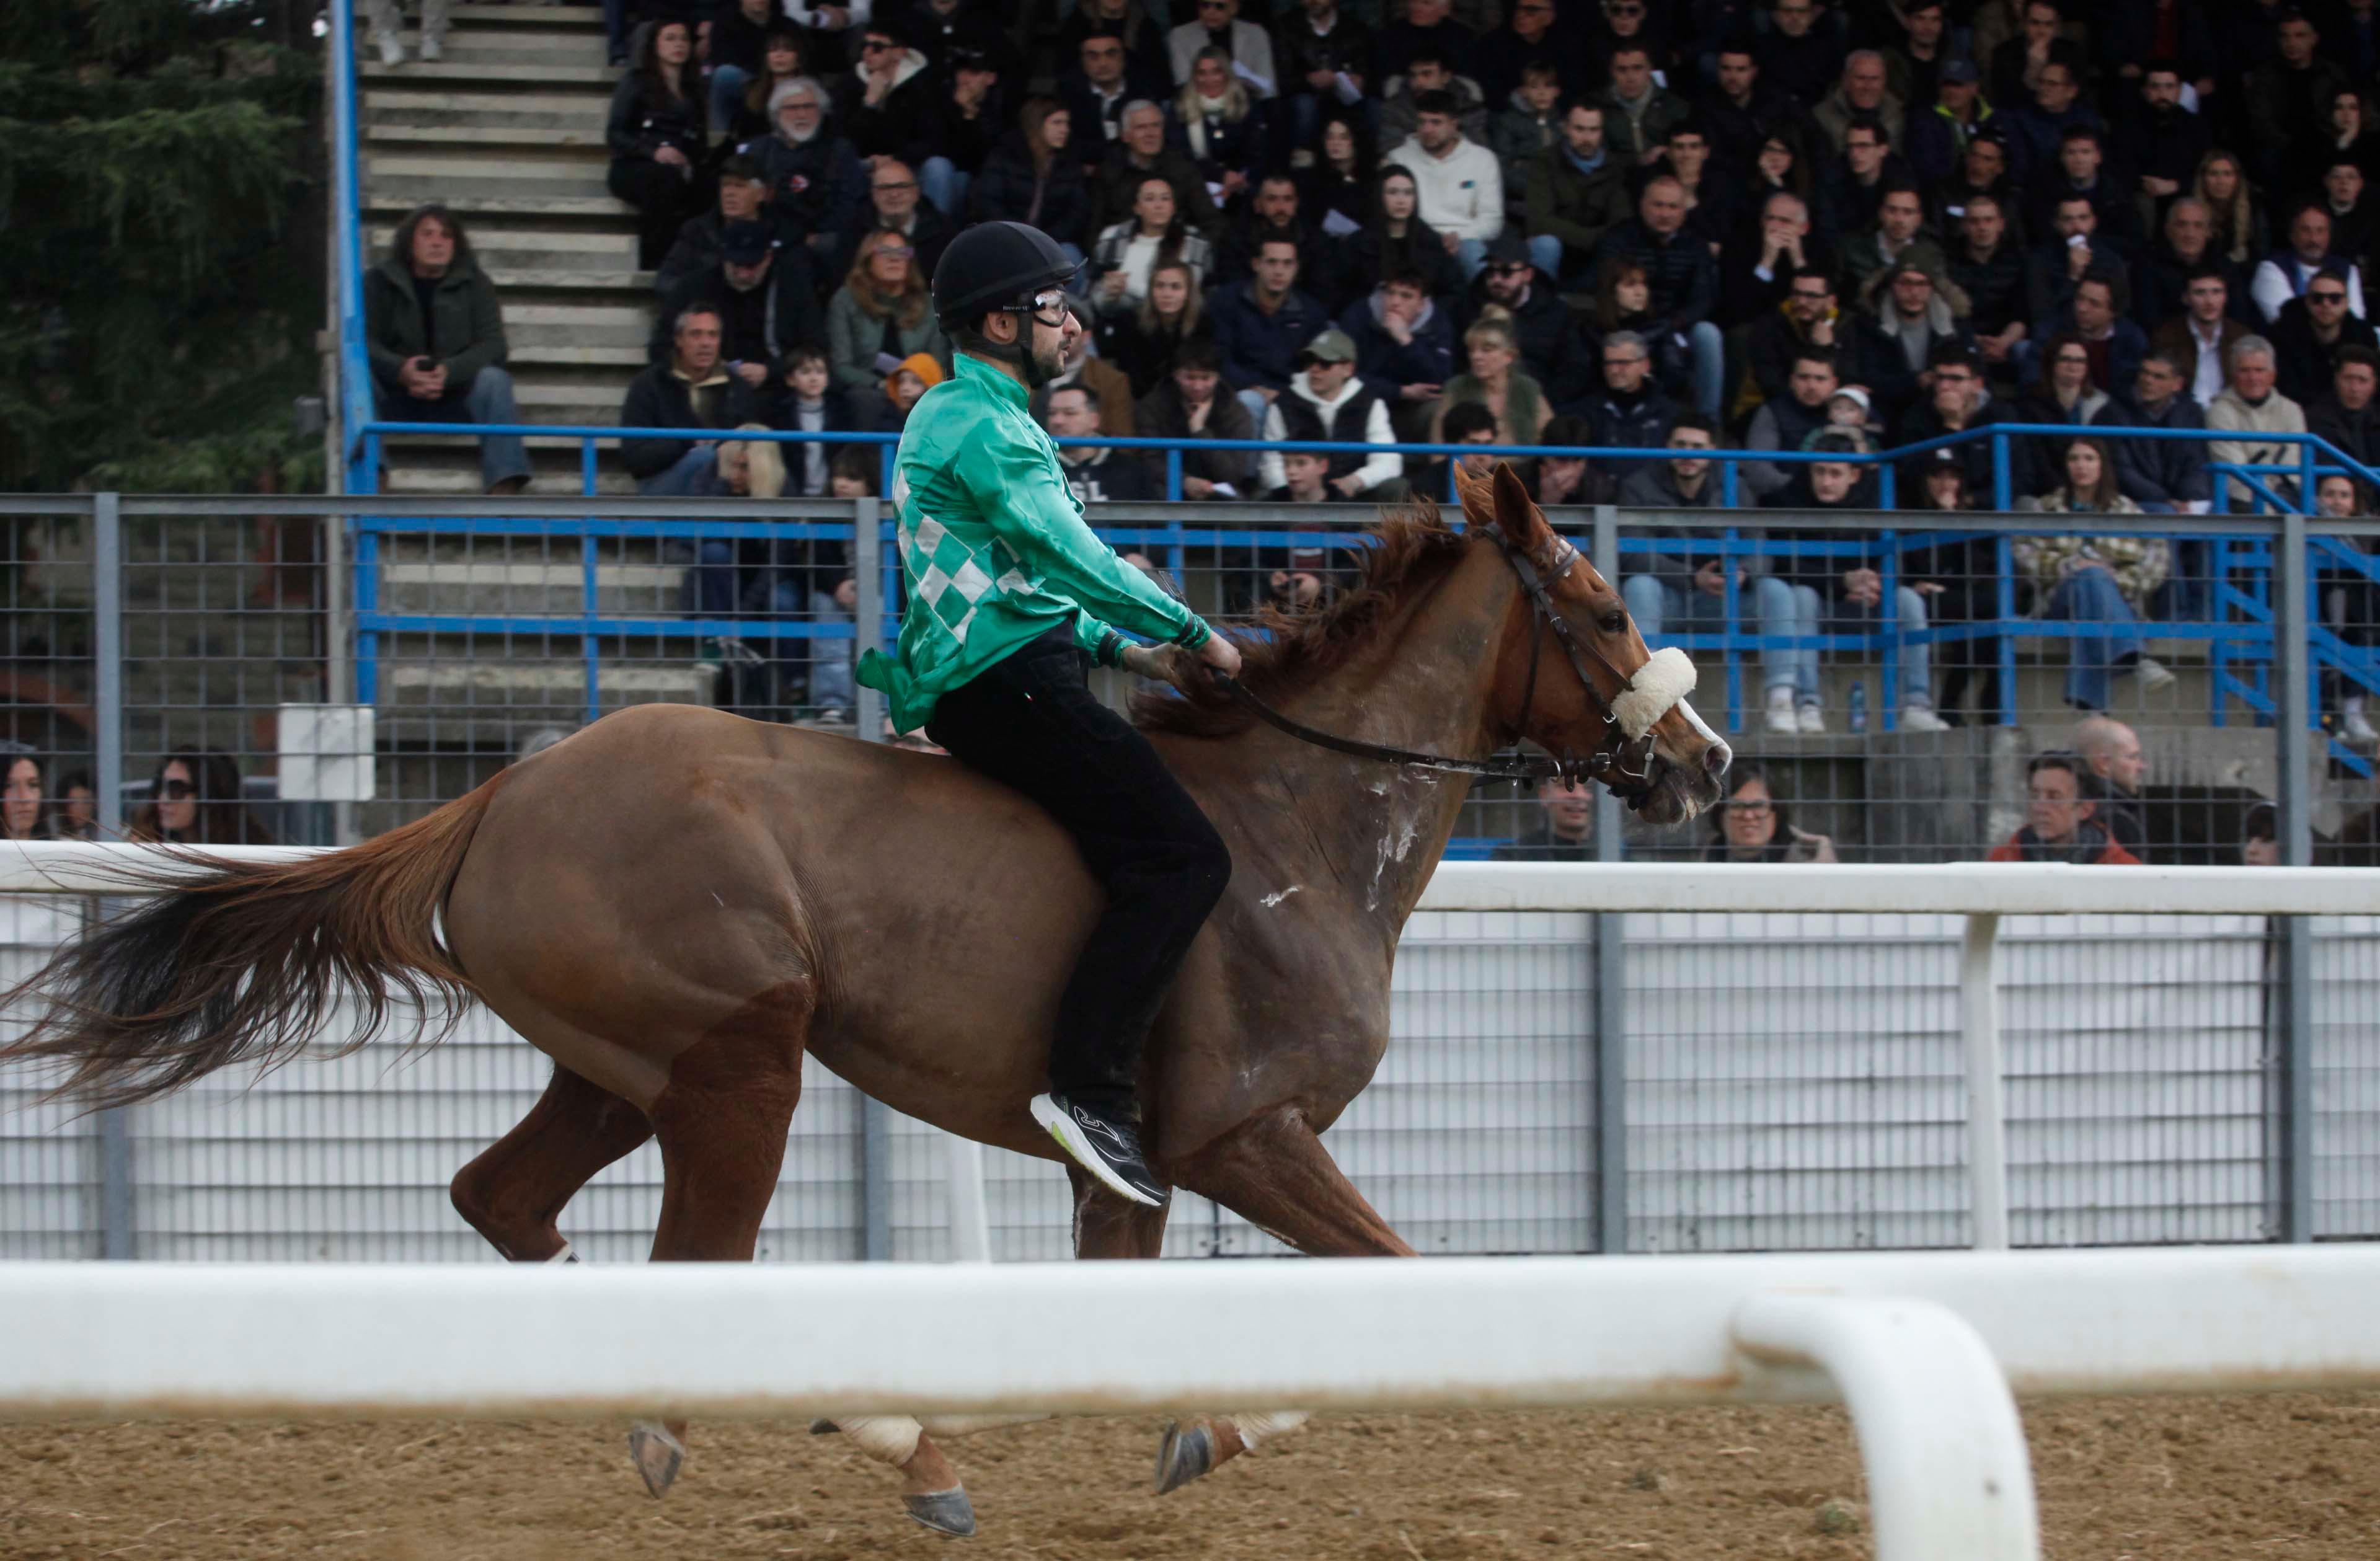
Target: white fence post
(1949,1476)
(1979,1021)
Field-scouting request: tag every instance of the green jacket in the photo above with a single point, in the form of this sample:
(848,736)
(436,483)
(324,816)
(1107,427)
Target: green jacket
(996,548)
(470,323)
(996,552)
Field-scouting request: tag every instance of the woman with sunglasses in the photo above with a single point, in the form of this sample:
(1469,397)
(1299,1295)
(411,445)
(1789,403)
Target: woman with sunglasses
(195,799)
(1010,598)
(878,317)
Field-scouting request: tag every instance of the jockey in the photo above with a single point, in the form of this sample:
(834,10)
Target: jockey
(1011,597)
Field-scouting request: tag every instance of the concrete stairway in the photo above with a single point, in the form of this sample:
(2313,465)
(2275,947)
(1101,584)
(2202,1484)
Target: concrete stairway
(507,129)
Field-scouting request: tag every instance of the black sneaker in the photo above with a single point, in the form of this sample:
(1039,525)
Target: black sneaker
(1108,1148)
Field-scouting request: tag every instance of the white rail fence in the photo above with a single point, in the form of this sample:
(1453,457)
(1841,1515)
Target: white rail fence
(1794,1080)
(1927,1348)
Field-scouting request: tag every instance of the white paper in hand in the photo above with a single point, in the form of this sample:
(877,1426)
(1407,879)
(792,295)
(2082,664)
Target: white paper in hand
(1339,225)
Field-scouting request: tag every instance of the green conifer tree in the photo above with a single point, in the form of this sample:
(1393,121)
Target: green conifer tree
(161,256)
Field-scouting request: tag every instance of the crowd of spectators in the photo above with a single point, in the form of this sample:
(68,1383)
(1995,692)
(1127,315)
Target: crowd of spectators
(1792,226)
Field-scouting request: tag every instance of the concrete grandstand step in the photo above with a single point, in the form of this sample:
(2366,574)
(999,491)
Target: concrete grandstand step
(508,46)
(622,285)
(414,72)
(531,587)
(487,696)
(502,245)
(626,355)
(565,169)
(489,106)
(560,18)
(581,134)
(381,200)
(413,473)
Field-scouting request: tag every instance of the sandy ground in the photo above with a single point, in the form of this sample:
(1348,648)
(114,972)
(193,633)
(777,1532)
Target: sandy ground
(2286,1476)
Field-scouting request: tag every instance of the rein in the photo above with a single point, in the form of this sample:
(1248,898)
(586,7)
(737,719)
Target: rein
(1624,768)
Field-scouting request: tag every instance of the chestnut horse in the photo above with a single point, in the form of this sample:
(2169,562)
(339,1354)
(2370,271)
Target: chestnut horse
(910,924)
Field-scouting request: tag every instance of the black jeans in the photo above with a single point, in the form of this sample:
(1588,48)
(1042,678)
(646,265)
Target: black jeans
(1031,722)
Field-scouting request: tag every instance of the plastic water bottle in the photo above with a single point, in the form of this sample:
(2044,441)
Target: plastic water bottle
(1859,707)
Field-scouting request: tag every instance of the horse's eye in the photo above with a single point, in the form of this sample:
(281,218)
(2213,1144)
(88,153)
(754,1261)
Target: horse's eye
(1612,622)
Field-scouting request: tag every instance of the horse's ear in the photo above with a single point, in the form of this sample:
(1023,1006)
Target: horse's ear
(1500,500)
(1524,524)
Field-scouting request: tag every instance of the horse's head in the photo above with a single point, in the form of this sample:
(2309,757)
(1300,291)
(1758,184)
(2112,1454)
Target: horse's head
(1577,678)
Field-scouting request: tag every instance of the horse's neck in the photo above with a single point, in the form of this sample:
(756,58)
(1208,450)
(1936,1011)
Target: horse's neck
(1422,683)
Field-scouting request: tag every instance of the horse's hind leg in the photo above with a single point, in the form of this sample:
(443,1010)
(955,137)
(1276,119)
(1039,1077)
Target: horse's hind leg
(1273,1171)
(513,1193)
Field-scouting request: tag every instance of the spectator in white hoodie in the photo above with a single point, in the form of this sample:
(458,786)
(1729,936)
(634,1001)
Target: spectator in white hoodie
(1462,185)
(1326,403)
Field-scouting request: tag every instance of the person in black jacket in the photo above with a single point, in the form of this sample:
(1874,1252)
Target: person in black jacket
(887,107)
(2309,333)
(693,389)
(1849,586)
(1035,177)
(697,249)
(1628,412)
(2347,414)
(815,178)
(660,138)
(1683,276)
(765,294)
(434,332)
(972,117)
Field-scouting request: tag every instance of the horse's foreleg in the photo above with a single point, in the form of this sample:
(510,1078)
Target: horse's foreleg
(1272,1171)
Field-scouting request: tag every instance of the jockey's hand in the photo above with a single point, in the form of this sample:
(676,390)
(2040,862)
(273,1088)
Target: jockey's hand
(1164,663)
(1221,655)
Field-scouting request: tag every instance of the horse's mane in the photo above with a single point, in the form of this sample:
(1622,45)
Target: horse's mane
(1411,547)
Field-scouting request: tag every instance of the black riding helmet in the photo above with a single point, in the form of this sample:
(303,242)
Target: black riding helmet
(996,266)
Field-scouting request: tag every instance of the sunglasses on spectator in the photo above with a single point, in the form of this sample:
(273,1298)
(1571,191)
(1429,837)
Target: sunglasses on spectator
(901,250)
(2328,298)
(1510,268)
(873,43)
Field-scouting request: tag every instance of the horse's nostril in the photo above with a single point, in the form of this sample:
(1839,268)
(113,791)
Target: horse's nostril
(1716,759)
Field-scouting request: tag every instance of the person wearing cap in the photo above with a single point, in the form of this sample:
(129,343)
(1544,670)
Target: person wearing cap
(1937,134)
(1327,403)
(741,193)
(766,295)
(1011,599)
(1911,311)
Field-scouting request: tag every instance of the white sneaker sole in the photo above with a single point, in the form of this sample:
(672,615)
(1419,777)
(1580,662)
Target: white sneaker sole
(1059,1126)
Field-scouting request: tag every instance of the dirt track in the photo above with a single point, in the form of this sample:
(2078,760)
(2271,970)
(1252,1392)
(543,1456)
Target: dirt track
(2291,1477)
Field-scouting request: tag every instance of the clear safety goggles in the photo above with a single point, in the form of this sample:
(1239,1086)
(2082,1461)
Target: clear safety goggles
(1049,308)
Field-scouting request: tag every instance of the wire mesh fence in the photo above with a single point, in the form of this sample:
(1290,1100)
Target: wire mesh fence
(1791,1082)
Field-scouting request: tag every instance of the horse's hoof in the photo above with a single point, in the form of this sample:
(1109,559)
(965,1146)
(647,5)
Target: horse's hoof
(946,1512)
(823,1428)
(657,1456)
(1186,1453)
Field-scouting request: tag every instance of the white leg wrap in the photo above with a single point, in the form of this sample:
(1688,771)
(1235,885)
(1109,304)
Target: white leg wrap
(886,1438)
(1263,1427)
(564,1255)
(945,1427)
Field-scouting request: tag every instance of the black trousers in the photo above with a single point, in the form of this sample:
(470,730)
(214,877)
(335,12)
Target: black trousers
(1030,721)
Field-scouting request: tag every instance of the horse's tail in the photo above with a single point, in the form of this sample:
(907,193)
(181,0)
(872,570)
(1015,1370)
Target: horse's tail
(244,962)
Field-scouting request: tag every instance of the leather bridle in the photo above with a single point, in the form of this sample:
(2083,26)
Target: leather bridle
(1622,764)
